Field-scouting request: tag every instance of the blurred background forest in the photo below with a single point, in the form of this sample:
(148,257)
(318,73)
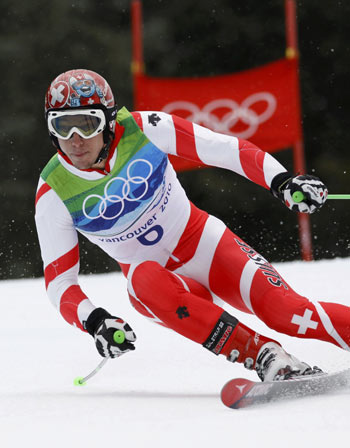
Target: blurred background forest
(41,39)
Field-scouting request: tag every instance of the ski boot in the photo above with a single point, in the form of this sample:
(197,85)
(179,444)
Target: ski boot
(274,364)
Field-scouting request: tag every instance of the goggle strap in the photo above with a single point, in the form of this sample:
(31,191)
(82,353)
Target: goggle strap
(111,113)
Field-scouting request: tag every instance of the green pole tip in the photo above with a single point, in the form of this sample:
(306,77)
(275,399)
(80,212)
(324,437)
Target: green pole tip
(119,336)
(79,381)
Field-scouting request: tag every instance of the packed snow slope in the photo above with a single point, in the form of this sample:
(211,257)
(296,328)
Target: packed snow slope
(166,392)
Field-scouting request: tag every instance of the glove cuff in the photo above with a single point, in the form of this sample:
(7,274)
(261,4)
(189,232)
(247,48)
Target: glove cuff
(94,320)
(279,183)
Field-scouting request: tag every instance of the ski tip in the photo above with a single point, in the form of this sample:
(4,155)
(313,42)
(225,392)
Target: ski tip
(234,390)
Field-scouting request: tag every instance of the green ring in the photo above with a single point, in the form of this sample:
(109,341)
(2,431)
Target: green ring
(298,196)
(119,336)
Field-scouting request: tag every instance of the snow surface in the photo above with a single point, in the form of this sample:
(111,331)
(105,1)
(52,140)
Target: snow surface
(166,393)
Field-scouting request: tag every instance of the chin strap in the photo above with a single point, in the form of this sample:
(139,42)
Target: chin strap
(104,151)
(103,154)
(108,134)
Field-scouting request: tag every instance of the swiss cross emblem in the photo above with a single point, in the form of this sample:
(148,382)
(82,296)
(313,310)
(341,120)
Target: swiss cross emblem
(304,322)
(59,94)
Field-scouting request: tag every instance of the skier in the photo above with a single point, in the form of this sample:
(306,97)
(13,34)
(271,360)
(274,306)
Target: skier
(111,181)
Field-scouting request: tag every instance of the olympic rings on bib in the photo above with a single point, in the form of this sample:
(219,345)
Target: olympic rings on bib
(126,191)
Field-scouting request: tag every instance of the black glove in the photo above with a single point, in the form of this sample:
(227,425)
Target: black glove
(314,192)
(102,326)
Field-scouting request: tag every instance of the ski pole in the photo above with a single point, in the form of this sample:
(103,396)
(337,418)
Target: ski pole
(298,196)
(81,380)
(119,338)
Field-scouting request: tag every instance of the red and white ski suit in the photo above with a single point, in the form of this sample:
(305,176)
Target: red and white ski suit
(175,281)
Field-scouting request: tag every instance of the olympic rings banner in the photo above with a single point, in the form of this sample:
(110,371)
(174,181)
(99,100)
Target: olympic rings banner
(261,104)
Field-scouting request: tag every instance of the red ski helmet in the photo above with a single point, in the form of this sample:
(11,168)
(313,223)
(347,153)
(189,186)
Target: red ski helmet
(79,89)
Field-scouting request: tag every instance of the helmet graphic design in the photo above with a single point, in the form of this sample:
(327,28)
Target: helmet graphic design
(84,87)
(79,88)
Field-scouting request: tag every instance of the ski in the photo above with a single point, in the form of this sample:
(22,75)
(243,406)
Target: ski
(241,393)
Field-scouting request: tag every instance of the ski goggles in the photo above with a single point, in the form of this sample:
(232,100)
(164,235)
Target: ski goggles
(85,122)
